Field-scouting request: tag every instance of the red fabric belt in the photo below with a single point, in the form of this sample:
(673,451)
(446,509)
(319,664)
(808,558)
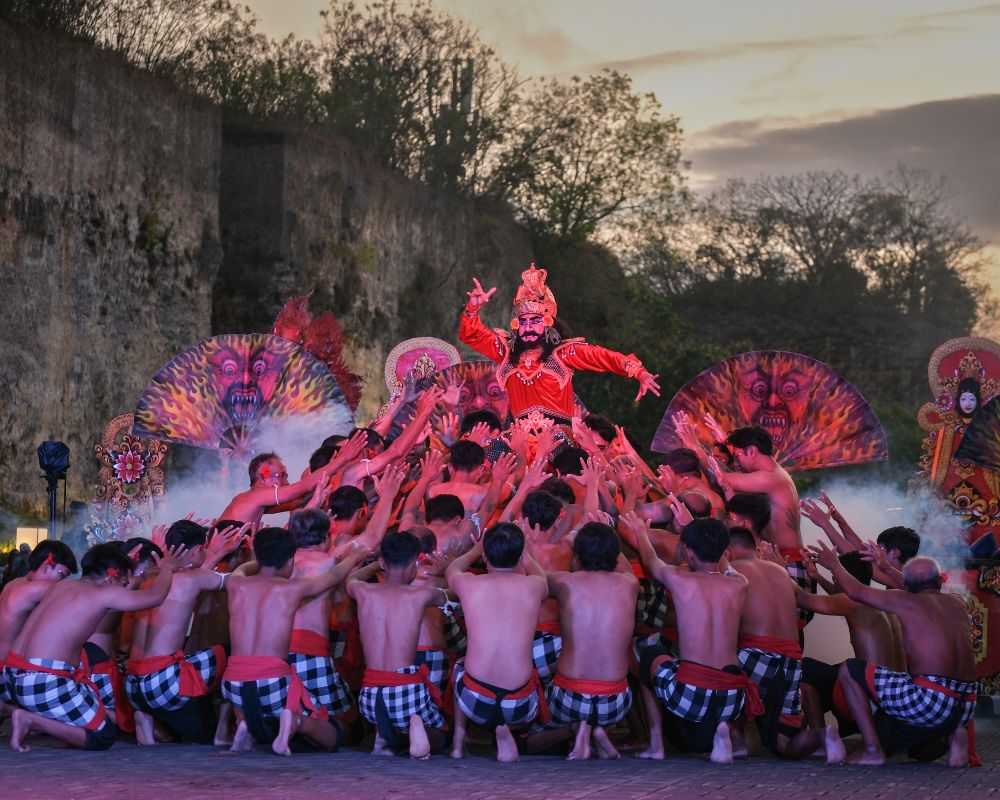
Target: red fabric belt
(772,644)
(309,643)
(191,682)
(590,687)
(79,675)
(380,678)
(533,685)
(710,678)
(257,668)
(550,626)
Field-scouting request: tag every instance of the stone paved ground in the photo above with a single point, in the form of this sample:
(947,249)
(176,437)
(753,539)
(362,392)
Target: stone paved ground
(192,773)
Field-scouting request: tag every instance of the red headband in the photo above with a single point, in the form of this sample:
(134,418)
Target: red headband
(50,561)
(113,572)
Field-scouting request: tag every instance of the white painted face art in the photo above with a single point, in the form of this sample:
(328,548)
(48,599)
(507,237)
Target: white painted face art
(967,402)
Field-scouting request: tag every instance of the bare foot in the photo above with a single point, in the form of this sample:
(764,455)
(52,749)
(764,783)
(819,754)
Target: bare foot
(867,757)
(420,746)
(288,724)
(144,734)
(380,748)
(655,752)
(834,746)
(605,749)
(958,748)
(222,737)
(457,750)
(739,742)
(21,727)
(506,746)
(722,745)
(242,741)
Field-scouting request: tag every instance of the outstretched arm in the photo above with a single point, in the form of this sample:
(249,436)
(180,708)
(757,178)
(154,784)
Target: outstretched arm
(317,584)
(594,358)
(647,554)
(891,600)
(472,331)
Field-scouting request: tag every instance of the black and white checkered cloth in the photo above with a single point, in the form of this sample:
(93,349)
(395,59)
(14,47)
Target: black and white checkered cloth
(401,703)
(899,696)
(6,683)
(338,641)
(439,664)
(770,669)
(545,652)
(652,605)
(161,690)
(694,703)
(495,710)
(797,569)
(568,706)
(55,696)
(455,639)
(273,693)
(323,682)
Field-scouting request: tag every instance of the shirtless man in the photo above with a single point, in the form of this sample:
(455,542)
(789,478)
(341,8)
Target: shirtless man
(596,613)
(926,710)
(467,466)
(48,563)
(495,684)
(162,683)
(55,696)
(397,694)
(309,648)
(681,475)
(258,680)
(770,653)
(704,690)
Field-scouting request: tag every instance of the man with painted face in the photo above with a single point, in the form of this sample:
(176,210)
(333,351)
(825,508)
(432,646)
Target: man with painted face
(534,363)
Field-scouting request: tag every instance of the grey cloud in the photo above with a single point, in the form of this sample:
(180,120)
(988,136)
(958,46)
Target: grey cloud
(957,138)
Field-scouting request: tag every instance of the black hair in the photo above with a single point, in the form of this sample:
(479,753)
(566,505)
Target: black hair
(428,541)
(346,501)
(443,508)
(753,505)
(559,489)
(706,538)
(742,536)
(857,567)
(103,557)
(602,426)
(905,540)
(472,419)
(503,545)
(374,437)
(321,457)
(334,441)
(569,461)
(57,551)
(256,463)
(597,548)
(187,533)
(146,548)
(751,435)
(542,509)
(683,461)
(466,455)
(221,525)
(310,527)
(273,547)
(399,549)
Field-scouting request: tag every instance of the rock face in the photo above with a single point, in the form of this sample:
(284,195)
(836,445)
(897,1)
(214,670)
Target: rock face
(133,224)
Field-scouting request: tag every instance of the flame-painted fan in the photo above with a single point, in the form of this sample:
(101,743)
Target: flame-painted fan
(981,443)
(815,417)
(224,391)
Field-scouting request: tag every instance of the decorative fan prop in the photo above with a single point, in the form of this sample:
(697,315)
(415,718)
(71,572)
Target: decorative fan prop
(815,417)
(981,443)
(228,391)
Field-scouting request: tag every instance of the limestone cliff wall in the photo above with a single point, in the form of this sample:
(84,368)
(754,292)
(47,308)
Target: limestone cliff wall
(134,223)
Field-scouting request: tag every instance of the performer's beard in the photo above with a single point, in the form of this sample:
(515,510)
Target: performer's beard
(548,341)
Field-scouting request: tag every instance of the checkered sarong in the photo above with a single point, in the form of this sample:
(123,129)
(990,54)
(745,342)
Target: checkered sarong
(568,706)
(161,690)
(6,683)
(272,692)
(694,703)
(438,664)
(399,702)
(652,604)
(492,707)
(766,668)
(56,696)
(323,682)
(545,650)
(899,695)
(455,639)
(797,570)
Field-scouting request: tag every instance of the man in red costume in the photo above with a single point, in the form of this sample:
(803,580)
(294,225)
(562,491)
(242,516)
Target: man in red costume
(534,364)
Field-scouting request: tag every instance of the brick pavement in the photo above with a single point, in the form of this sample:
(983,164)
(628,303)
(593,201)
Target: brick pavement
(193,773)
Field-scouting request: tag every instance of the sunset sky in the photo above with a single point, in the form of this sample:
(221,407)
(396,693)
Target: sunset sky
(776,86)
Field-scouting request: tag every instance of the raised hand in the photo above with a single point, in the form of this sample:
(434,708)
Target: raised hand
(387,486)
(769,552)
(535,475)
(225,540)
(636,524)
(876,555)
(449,428)
(171,558)
(685,430)
(647,383)
(831,509)
(351,449)
(812,512)
(431,465)
(452,390)
(824,555)
(503,468)
(479,296)
(158,534)
(545,443)
(592,472)
(480,434)
(715,428)
(429,398)
(682,514)
(667,478)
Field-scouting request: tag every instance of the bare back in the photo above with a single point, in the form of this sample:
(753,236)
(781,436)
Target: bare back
(597,617)
(936,636)
(874,637)
(314,613)
(769,608)
(709,608)
(162,630)
(17,601)
(552,558)
(390,616)
(261,609)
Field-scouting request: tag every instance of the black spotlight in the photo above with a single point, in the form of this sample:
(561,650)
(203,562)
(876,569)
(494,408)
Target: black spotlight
(53,458)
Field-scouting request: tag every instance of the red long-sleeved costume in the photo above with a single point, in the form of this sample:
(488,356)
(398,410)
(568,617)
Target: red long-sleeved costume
(546,386)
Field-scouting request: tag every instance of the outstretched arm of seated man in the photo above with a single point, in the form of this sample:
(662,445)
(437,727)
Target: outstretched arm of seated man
(892,600)
(650,560)
(117,598)
(456,569)
(318,584)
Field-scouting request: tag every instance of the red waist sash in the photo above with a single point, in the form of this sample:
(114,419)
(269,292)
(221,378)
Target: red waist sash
(590,687)
(380,678)
(772,644)
(309,643)
(191,682)
(710,678)
(549,626)
(257,668)
(533,685)
(80,675)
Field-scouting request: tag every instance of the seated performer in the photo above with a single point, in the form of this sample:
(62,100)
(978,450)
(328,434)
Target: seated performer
(54,694)
(770,653)
(162,683)
(48,563)
(704,690)
(397,694)
(258,680)
(309,648)
(467,467)
(596,612)
(500,610)
(535,355)
(925,711)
